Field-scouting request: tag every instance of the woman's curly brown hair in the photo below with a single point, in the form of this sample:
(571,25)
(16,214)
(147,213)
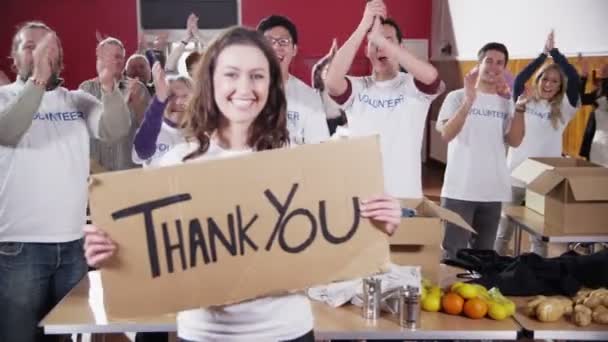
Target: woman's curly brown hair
(203,117)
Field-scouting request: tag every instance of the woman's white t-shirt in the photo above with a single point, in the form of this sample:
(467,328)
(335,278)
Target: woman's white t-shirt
(541,138)
(168,137)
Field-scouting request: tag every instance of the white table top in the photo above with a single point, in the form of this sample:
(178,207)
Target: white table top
(534,224)
(564,329)
(82,311)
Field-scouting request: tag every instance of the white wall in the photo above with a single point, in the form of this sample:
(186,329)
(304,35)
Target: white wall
(522,25)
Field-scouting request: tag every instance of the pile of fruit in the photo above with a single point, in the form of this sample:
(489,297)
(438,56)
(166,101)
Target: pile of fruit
(472,300)
(586,307)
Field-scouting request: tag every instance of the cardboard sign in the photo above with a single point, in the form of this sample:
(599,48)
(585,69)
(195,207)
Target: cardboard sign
(222,231)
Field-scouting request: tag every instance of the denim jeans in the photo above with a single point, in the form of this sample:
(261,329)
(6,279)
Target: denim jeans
(33,278)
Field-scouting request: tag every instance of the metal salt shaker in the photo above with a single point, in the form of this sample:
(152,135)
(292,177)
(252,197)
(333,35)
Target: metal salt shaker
(371,298)
(409,307)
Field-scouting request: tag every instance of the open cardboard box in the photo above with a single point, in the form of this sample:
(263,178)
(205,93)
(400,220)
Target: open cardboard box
(417,241)
(572,194)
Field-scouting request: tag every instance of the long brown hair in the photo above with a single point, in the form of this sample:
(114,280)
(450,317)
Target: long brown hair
(203,117)
(556,102)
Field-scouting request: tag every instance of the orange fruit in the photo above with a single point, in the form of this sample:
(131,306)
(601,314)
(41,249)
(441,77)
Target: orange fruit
(475,308)
(452,303)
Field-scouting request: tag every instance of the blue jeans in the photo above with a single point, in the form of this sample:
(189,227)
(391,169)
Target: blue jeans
(33,278)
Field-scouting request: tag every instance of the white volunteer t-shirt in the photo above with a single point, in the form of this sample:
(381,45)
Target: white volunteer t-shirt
(168,137)
(267,319)
(43,180)
(477,166)
(541,139)
(397,111)
(305,114)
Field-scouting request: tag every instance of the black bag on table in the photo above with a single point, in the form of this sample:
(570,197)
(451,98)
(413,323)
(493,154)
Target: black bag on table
(530,274)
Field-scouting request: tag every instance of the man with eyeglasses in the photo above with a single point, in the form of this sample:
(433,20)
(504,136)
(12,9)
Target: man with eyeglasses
(305,116)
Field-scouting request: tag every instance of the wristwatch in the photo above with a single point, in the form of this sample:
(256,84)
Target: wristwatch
(407,212)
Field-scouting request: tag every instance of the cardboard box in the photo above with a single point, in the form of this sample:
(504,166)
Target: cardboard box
(418,239)
(572,194)
(428,257)
(227,230)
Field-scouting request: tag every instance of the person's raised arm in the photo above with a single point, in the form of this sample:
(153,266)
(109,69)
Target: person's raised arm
(110,119)
(178,51)
(336,82)
(16,118)
(195,34)
(573,86)
(174,56)
(319,70)
(517,129)
(421,70)
(590,97)
(142,44)
(523,76)
(451,127)
(138,98)
(144,143)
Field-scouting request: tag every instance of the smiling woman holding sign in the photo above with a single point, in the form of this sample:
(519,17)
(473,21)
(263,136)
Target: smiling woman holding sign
(239,107)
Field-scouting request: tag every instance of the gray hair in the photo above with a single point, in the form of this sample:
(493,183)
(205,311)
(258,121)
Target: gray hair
(182,78)
(111,41)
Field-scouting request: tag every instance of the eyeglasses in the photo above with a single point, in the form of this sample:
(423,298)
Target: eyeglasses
(281,41)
